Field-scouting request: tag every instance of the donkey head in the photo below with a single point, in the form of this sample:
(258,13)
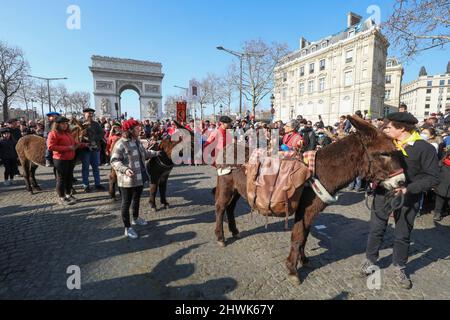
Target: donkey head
(380,161)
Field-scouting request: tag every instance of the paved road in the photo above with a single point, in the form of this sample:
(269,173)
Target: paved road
(177,257)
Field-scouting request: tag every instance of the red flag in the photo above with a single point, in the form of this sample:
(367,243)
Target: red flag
(181,111)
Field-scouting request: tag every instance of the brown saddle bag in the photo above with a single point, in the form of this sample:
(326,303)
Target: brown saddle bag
(275,184)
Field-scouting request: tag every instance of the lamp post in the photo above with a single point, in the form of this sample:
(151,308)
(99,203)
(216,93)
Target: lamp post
(240,55)
(48,88)
(33,109)
(272,109)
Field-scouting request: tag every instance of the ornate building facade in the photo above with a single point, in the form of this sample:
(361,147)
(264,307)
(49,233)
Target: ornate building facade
(427,94)
(334,76)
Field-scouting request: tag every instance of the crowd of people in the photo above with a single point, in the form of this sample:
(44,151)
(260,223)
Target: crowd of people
(298,135)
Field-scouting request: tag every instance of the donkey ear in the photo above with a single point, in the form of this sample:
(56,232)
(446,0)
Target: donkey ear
(362,126)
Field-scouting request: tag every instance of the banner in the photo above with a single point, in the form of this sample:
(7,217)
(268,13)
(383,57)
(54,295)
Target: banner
(181,111)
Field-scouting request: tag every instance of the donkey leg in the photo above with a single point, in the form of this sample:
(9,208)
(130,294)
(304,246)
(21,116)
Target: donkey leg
(163,189)
(33,177)
(26,174)
(112,184)
(220,210)
(152,197)
(223,198)
(297,240)
(230,215)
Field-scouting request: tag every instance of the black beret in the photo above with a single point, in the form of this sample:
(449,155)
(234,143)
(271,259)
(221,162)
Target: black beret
(2,130)
(61,119)
(88,110)
(404,117)
(225,119)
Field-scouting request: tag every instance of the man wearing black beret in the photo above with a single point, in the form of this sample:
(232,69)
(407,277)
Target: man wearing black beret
(91,156)
(420,164)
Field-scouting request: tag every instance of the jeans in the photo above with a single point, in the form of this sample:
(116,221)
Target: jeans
(355,184)
(404,223)
(64,175)
(130,197)
(91,158)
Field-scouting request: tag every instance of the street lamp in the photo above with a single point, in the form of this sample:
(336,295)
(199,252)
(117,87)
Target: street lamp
(240,55)
(48,88)
(32,109)
(272,104)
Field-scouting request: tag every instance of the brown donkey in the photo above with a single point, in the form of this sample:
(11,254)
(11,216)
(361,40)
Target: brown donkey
(31,152)
(369,153)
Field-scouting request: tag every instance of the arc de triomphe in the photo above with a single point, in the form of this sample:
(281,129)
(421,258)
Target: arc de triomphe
(112,76)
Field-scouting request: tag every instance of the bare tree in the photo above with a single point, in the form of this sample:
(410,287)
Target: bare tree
(40,94)
(27,93)
(170,106)
(204,96)
(260,61)
(228,86)
(13,71)
(78,101)
(212,85)
(418,25)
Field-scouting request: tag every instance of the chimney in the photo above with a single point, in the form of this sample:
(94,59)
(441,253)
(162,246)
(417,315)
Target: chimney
(352,19)
(303,43)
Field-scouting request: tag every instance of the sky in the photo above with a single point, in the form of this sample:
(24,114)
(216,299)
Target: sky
(180,34)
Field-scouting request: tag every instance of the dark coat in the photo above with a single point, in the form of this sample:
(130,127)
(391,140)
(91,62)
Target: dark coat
(8,149)
(443,189)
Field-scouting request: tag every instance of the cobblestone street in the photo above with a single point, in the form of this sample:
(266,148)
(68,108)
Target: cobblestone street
(177,256)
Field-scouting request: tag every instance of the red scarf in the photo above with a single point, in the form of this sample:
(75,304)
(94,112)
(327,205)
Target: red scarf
(447,162)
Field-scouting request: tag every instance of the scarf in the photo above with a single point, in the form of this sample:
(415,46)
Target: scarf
(415,136)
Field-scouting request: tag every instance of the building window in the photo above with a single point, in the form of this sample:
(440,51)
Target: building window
(292,74)
(387,95)
(322,64)
(349,56)
(427,106)
(284,93)
(348,78)
(428,91)
(429,83)
(351,33)
(389,63)
(311,68)
(448,82)
(302,71)
(426,114)
(301,89)
(366,49)
(313,49)
(442,83)
(310,86)
(284,76)
(388,78)
(321,84)
(427,99)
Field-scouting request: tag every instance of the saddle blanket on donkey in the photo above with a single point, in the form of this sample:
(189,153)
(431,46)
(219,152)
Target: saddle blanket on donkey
(275,184)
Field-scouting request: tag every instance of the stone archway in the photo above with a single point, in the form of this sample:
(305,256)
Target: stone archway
(112,76)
